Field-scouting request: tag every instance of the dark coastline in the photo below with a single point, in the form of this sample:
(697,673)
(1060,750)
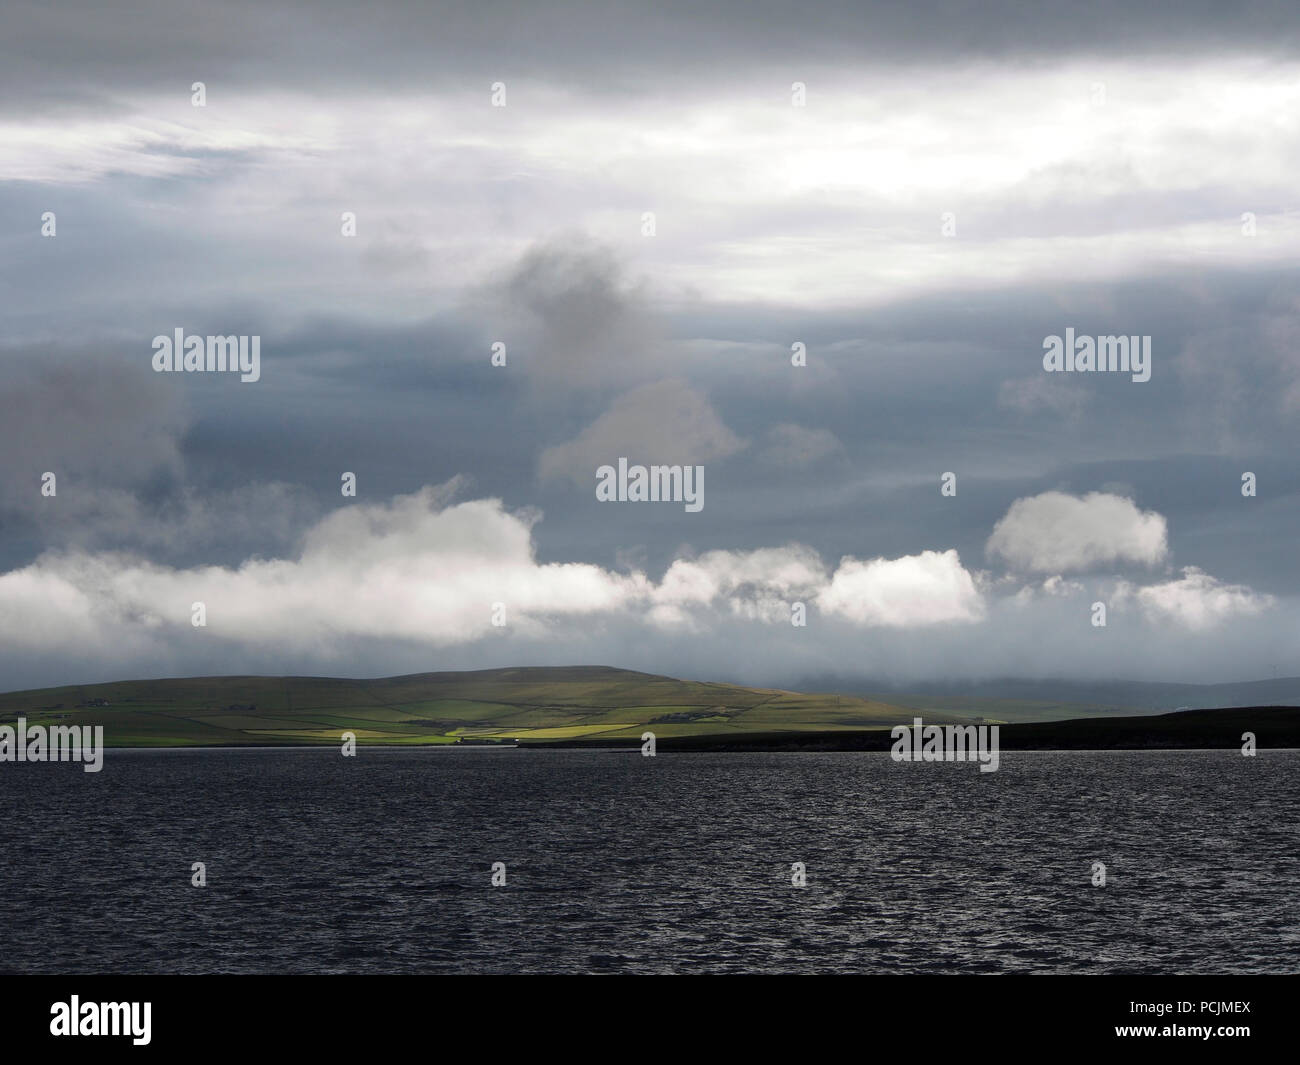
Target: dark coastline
(1274,727)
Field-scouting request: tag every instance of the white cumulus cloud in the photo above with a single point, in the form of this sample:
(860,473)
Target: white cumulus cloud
(1198,601)
(1058,533)
(926,589)
(413,569)
(758,585)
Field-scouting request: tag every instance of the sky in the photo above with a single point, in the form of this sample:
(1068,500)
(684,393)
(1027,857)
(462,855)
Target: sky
(486,250)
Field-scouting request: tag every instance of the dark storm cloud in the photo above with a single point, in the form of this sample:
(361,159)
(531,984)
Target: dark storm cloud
(586,323)
(128,474)
(84,417)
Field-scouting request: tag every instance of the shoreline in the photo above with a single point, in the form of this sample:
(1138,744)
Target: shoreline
(1274,728)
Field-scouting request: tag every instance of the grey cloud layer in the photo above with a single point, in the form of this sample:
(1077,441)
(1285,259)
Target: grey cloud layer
(83,54)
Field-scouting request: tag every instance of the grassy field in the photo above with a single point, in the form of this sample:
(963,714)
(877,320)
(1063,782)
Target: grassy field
(593,703)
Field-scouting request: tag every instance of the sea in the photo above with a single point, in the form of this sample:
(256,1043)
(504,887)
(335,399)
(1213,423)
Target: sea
(510,860)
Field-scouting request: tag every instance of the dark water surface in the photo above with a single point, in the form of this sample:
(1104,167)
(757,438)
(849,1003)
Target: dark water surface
(381,863)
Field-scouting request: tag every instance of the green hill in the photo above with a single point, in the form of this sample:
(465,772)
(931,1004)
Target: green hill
(538,704)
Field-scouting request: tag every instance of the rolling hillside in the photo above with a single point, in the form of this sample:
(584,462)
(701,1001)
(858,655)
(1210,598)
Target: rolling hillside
(538,704)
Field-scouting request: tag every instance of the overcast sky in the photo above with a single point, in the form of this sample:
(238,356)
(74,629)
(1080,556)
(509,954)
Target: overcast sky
(918,195)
